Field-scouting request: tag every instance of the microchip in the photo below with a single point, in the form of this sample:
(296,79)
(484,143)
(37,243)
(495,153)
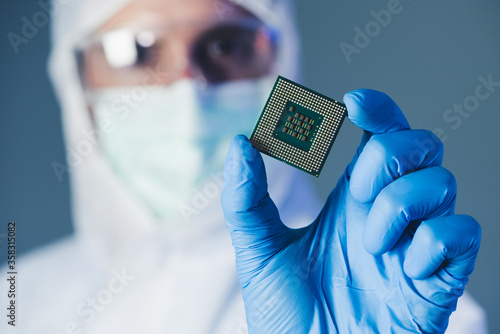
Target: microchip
(298,126)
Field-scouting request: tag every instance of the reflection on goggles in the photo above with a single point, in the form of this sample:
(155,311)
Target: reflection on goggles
(122,48)
(223,52)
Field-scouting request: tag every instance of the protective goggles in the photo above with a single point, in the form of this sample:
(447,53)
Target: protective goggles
(213,53)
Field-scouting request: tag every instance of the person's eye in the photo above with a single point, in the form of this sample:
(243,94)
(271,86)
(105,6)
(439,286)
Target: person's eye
(226,42)
(224,47)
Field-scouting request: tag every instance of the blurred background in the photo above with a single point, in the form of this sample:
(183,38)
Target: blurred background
(430,57)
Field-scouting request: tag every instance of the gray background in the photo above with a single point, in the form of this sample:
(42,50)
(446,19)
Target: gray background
(427,58)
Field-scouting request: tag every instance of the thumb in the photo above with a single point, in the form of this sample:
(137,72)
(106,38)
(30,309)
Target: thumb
(252,218)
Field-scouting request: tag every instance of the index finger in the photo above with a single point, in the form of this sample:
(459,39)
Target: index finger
(374,112)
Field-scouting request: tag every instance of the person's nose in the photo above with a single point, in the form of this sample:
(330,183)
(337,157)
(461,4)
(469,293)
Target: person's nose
(176,63)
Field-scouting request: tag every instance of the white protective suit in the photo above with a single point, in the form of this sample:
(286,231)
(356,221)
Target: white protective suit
(122,272)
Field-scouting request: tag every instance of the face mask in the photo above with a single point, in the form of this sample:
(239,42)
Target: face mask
(164,142)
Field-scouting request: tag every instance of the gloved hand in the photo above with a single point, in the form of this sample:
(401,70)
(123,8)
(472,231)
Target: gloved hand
(387,254)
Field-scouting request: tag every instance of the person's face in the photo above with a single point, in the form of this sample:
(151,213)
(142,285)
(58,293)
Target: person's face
(177,39)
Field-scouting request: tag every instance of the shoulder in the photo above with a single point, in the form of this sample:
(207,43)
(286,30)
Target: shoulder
(47,280)
(48,255)
(48,265)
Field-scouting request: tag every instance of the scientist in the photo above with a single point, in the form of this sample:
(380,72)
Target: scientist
(152,93)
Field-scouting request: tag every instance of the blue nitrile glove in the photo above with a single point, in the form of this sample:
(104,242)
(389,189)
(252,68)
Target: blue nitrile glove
(365,265)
